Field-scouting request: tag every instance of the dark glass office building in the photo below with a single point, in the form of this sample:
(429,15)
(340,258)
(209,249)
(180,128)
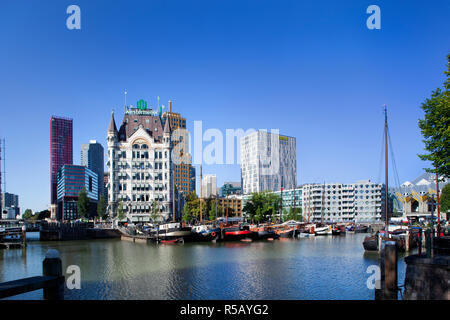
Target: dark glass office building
(61,148)
(92,157)
(71,180)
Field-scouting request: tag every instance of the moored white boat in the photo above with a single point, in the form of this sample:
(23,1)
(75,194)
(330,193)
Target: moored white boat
(174,230)
(324,231)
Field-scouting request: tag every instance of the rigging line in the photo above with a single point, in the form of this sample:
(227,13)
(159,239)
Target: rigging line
(394,165)
(381,159)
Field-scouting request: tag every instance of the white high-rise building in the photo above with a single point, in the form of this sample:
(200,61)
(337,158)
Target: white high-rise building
(209,186)
(140,167)
(268,162)
(362,201)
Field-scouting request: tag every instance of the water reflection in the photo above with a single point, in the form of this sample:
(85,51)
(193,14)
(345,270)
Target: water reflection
(308,268)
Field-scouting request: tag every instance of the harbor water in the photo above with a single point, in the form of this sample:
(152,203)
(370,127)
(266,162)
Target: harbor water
(322,267)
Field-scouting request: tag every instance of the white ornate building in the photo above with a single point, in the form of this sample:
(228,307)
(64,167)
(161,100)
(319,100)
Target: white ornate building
(140,167)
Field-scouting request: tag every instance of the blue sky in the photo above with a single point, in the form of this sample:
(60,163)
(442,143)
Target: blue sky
(310,68)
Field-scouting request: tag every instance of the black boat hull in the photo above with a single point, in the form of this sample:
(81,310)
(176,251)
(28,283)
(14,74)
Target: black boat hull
(370,244)
(362,230)
(206,236)
(261,235)
(288,234)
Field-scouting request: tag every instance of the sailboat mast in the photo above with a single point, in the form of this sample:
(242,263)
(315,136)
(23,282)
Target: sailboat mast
(201,192)
(281,200)
(386,171)
(173,192)
(293,208)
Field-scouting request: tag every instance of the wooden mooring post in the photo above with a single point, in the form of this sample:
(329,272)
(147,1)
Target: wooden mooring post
(51,281)
(428,244)
(52,267)
(24,237)
(388,271)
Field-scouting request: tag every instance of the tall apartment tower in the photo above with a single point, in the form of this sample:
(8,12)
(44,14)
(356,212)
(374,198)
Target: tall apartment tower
(184,171)
(61,150)
(268,162)
(92,157)
(209,186)
(140,166)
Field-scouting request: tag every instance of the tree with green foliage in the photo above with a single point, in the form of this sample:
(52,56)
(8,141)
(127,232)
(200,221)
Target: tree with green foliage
(435,128)
(27,215)
(444,199)
(253,207)
(43,214)
(83,203)
(212,212)
(120,213)
(297,214)
(154,213)
(286,214)
(186,217)
(191,209)
(261,206)
(101,207)
(272,206)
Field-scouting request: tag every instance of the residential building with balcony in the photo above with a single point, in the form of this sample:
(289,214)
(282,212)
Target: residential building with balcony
(362,201)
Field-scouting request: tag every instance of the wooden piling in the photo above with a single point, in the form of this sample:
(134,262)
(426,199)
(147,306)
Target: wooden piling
(24,237)
(420,242)
(388,272)
(407,241)
(52,266)
(428,244)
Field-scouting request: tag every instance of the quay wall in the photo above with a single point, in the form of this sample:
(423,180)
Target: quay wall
(427,278)
(136,239)
(74,231)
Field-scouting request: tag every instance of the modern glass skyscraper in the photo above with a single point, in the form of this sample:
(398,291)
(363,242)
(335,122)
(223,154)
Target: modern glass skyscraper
(268,162)
(92,157)
(61,149)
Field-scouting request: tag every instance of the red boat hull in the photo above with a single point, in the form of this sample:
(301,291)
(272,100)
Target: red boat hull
(180,240)
(237,235)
